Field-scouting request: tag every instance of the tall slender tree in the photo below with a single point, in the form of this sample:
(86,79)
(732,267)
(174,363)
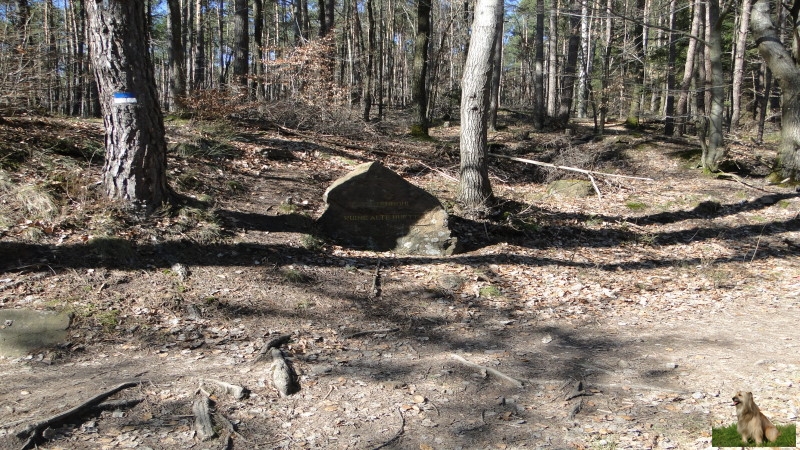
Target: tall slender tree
(420,85)
(475,190)
(714,149)
(241,46)
(177,56)
(738,62)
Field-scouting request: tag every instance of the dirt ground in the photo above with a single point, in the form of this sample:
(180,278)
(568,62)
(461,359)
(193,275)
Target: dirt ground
(629,320)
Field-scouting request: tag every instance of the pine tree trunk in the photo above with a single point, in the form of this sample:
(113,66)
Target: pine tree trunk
(787,72)
(135,165)
(475,191)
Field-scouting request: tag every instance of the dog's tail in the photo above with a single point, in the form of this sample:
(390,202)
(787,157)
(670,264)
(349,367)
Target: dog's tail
(771,433)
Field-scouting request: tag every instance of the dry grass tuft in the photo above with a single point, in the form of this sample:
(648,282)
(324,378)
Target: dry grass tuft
(37,202)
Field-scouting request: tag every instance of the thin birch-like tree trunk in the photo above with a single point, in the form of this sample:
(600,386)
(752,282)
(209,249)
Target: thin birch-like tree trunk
(475,191)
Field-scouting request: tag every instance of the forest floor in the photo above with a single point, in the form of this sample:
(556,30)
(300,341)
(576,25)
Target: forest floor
(629,319)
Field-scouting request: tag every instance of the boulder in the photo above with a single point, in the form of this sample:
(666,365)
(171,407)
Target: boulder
(374,208)
(23,331)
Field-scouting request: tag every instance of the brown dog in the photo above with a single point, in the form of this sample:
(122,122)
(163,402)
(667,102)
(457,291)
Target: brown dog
(752,423)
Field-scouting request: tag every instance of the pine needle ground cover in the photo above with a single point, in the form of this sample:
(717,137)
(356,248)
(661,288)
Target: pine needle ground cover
(729,437)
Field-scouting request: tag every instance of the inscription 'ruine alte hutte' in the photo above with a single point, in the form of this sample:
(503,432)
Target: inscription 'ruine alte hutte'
(375,208)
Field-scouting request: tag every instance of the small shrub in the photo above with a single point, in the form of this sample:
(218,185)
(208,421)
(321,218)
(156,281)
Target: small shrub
(489,291)
(295,276)
(635,206)
(37,202)
(312,243)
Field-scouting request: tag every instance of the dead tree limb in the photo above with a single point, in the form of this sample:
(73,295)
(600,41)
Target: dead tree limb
(34,430)
(366,332)
(572,169)
(376,281)
(489,370)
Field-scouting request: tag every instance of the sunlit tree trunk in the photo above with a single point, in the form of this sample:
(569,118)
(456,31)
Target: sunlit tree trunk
(714,149)
(787,72)
(689,70)
(669,108)
(552,64)
(135,164)
(475,191)
(540,108)
(241,47)
(637,68)
(497,60)
(738,63)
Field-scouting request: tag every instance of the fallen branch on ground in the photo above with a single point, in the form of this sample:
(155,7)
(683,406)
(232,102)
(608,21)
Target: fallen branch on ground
(34,430)
(573,169)
(489,370)
(366,332)
(376,279)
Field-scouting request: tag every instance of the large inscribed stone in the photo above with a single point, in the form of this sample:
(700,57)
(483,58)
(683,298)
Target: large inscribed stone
(375,208)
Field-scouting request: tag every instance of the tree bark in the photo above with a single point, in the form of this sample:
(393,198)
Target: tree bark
(787,72)
(241,48)
(738,63)
(497,61)
(681,110)
(714,150)
(552,69)
(177,57)
(199,46)
(637,68)
(475,190)
(669,108)
(570,67)
(540,108)
(419,86)
(369,70)
(135,164)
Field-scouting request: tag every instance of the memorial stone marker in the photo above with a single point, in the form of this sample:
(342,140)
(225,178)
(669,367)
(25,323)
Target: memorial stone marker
(374,208)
